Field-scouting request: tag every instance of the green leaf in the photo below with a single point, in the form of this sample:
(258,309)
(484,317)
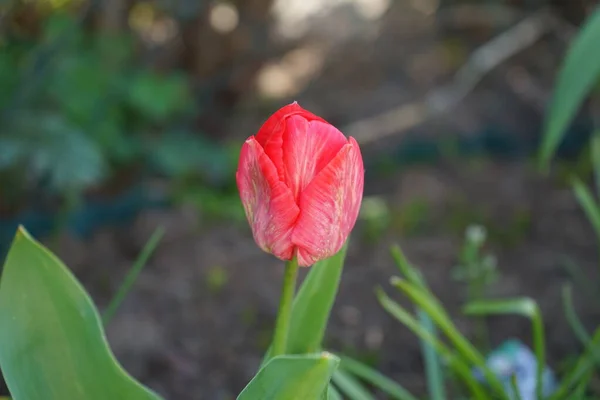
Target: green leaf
(527,308)
(313,304)
(292,377)
(353,389)
(581,370)
(53,346)
(332,393)
(429,304)
(410,273)
(433,368)
(576,79)
(159,97)
(586,201)
(375,378)
(576,324)
(458,364)
(132,275)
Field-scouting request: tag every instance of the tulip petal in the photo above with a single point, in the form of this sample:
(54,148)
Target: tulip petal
(270,134)
(269,204)
(308,147)
(329,206)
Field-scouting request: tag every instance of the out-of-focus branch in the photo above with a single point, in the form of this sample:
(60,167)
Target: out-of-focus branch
(481,62)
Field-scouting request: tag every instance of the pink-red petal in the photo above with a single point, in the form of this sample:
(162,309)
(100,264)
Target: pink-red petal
(329,206)
(270,134)
(308,146)
(268,203)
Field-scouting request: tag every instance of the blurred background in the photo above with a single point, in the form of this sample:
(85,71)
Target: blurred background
(121,116)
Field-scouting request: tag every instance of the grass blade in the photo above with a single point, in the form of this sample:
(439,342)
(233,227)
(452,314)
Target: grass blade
(588,203)
(433,369)
(457,364)
(576,79)
(375,378)
(575,323)
(525,307)
(436,312)
(332,393)
(583,367)
(411,274)
(132,275)
(353,389)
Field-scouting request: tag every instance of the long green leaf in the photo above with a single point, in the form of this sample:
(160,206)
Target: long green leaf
(333,394)
(292,377)
(313,304)
(527,308)
(576,78)
(457,364)
(595,145)
(589,205)
(583,367)
(52,343)
(350,386)
(433,371)
(375,378)
(433,308)
(132,275)
(410,273)
(575,323)
(433,368)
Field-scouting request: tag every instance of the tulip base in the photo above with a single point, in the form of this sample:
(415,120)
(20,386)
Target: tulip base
(282,326)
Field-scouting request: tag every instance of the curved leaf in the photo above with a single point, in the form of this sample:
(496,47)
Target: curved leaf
(292,377)
(52,346)
(577,77)
(525,307)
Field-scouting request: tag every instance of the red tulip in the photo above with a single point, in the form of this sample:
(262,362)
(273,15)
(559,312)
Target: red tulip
(301,184)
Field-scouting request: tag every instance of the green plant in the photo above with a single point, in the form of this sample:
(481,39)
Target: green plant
(86,109)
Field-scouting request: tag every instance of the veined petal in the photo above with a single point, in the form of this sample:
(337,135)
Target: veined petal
(329,206)
(270,134)
(268,203)
(308,146)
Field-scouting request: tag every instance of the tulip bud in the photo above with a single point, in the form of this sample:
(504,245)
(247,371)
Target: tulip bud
(301,183)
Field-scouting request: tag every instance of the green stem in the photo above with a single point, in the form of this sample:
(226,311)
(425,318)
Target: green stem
(282,326)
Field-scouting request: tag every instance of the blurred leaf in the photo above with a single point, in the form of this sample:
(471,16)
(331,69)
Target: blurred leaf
(433,369)
(576,375)
(575,323)
(177,154)
(53,151)
(457,364)
(313,303)
(133,274)
(375,378)
(515,387)
(60,27)
(410,273)
(435,380)
(595,147)
(292,377)
(576,78)
(57,349)
(332,393)
(525,307)
(589,205)
(429,304)
(352,388)
(159,97)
